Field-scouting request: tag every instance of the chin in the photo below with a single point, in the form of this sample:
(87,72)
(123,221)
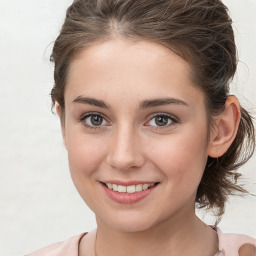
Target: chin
(131,227)
(129,222)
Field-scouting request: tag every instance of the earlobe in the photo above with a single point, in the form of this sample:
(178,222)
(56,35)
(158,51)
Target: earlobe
(60,113)
(225,130)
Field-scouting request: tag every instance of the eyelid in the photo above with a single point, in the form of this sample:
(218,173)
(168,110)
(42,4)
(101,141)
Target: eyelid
(84,115)
(88,114)
(173,118)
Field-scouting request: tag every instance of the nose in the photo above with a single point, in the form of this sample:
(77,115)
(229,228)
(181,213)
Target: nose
(126,151)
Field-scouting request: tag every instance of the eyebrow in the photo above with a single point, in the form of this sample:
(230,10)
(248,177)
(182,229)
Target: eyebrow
(143,105)
(91,101)
(161,101)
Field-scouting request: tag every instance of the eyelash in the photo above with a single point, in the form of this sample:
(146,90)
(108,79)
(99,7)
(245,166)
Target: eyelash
(90,114)
(172,119)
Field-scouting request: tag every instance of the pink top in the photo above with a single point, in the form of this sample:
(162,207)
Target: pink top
(229,245)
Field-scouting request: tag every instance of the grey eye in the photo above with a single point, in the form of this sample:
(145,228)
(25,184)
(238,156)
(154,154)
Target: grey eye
(160,120)
(95,120)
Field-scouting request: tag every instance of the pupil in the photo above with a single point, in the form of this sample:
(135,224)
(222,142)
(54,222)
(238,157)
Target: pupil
(96,120)
(161,120)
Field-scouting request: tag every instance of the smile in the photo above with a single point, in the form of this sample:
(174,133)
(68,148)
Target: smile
(128,193)
(129,189)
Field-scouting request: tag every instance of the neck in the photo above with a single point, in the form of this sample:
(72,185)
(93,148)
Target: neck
(167,238)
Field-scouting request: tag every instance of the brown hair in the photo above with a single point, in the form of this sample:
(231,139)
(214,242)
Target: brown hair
(200,31)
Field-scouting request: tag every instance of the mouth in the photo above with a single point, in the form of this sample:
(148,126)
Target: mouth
(128,192)
(131,188)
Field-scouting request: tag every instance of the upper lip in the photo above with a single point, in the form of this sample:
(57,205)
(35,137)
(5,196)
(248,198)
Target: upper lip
(128,183)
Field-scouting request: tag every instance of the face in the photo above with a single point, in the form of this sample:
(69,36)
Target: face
(136,133)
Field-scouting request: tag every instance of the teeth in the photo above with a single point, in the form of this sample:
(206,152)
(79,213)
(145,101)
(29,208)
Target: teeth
(109,185)
(129,189)
(121,189)
(139,188)
(115,187)
(145,186)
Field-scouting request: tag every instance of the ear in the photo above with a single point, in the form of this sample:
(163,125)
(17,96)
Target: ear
(225,128)
(60,113)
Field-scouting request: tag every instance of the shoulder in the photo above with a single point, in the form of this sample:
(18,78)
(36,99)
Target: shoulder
(65,248)
(230,243)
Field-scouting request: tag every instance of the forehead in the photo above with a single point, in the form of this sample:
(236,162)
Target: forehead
(122,67)
(121,52)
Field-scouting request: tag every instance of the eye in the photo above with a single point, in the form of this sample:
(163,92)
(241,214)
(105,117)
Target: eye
(162,120)
(93,120)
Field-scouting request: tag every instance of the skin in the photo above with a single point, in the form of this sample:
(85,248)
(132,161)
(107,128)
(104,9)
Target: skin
(247,250)
(130,145)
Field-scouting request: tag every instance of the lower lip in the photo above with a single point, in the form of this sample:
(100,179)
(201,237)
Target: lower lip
(128,198)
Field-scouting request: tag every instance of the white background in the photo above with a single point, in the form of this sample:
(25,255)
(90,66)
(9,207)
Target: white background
(38,202)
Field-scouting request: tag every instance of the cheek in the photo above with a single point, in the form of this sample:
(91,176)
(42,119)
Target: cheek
(85,156)
(84,153)
(182,157)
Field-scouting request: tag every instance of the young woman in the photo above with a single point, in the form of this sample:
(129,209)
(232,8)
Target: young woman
(151,131)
